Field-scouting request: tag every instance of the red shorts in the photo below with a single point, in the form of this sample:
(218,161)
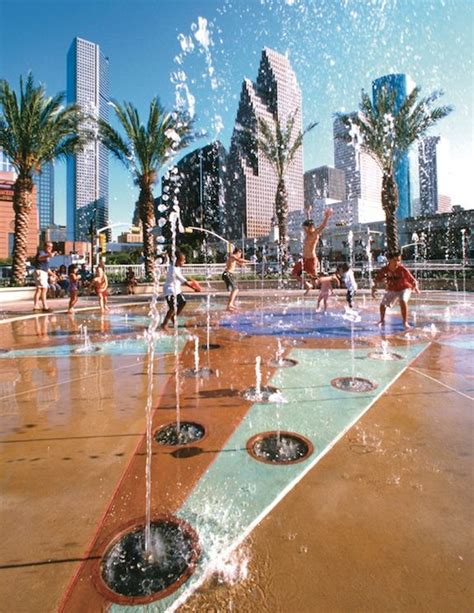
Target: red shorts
(309,266)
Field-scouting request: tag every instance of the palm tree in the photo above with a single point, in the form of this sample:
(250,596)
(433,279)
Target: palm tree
(386,132)
(34,130)
(279,146)
(144,150)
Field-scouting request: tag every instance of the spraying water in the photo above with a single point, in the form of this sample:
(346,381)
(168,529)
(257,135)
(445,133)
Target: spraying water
(150,336)
(86,345)
(196,354)
(258,377)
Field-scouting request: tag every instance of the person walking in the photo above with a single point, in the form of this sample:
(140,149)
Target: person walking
(41,277)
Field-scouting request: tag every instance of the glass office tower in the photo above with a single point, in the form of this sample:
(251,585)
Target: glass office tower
(402,85)
(88,171)
(44,182)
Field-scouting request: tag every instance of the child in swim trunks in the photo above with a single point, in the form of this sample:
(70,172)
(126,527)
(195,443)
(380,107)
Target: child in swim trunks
(399,284)
(311,239)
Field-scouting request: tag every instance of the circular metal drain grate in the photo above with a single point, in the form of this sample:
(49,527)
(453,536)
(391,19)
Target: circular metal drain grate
(283,363)
(189,432)
(200,373)
(386,356)
(211,346)
(353,384)
(133,576)
(279,447)
(86,350)
(264,394)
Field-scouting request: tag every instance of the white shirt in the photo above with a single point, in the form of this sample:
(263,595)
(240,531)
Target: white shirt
(174,279)
(349,280)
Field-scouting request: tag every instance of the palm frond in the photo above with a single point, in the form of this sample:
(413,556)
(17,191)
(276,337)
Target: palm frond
(33,127)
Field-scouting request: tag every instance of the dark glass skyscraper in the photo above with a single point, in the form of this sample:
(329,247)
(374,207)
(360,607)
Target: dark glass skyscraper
(88,171)
(402,86)
(44,182)
(201,179)
(428,173)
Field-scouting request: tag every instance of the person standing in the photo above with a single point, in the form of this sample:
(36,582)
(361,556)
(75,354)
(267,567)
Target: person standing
(399,284)
(325,284)
(100,283)
(131,280)
(73,287)
(311,239)
(172,290)
(41,277)
(228,276)
(348,278)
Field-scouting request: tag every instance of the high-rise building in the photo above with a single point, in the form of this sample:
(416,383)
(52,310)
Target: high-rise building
(44,182)
(324,187)
(428,174)
(324,182)
(200,181)
(445,204)
(252,180)
(363,181)
(432,150)
(401,85)
(88,171)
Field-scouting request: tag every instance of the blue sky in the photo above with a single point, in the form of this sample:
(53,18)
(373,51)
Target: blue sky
(337,47)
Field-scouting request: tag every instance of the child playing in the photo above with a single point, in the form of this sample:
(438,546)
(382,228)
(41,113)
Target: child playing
(100,284)
(73,287)
(399,285)
(325,284)
(311,239)
(228,277)
(172,288)
(131,280)
(347,275)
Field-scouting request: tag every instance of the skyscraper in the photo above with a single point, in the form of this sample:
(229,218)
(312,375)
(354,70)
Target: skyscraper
(44,182)
(252,181)
(428,174)
(200,178)
(88,171)
(402,85)
(363,202)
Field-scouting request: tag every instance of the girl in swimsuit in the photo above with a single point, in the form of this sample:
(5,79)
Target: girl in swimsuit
(73,287)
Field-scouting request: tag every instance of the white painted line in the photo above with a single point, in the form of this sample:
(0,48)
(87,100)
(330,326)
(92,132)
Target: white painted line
(441,383)
(226,553)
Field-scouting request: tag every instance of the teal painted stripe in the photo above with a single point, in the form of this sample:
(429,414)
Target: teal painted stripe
(163,344)
(237,491)
(458,344)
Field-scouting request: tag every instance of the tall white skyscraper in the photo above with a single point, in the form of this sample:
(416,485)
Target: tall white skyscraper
(363,179)
(88,171)
(253,183)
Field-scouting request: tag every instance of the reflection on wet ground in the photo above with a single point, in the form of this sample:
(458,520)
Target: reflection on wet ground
(72,428)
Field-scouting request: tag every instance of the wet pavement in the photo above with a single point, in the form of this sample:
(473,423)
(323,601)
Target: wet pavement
(377,518)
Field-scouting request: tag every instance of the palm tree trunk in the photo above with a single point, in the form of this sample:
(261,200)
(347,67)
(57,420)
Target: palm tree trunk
(22,202)
(281,207)
(145,205)
(390,205)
